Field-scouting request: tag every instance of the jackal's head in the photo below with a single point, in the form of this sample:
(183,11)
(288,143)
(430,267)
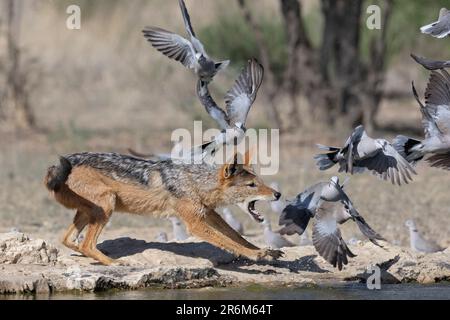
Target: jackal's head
(240,185)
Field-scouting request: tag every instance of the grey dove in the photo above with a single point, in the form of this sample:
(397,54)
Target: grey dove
(162,237)
(417,242)
(435,147)
(273,239)
(361,153)
(278,205)
(238,100)
(232,221)
(329,205)
(179,231)
(431,64)
(439,28)
(190,52)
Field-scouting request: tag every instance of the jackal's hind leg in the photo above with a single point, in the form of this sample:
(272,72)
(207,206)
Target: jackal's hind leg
(79,222)
(98,218)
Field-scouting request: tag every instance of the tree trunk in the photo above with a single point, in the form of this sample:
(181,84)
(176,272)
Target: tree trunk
(15,106)
(270,80)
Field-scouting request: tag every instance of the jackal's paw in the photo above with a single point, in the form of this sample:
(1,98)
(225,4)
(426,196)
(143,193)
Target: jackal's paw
(270,254)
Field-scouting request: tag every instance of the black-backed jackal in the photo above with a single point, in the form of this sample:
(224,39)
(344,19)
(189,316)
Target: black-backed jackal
(96,184)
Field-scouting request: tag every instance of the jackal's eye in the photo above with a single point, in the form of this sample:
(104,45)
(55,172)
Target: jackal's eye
(251,185)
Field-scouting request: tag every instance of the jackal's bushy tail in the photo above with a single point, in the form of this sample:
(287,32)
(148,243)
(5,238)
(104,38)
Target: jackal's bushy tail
(57,175)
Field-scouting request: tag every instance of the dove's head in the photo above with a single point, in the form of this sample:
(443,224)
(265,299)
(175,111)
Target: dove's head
(443,12)
(334,181)
(410,224)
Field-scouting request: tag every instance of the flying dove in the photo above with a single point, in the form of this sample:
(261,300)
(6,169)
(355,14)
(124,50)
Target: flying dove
(273,239)
(238,100)
(418,243)
(439,28)
(361,153)
(436,124)
(232,221)
(329,205)
(190,53)
(179,232)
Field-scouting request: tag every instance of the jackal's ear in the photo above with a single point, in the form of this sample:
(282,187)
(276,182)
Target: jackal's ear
(231,169)
(248,156)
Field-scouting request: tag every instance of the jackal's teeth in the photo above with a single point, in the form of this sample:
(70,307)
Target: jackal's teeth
(255,214)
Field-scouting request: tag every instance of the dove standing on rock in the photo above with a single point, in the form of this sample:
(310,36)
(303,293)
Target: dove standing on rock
(329,205)
(361,153)
(273,239)
(232,221)
(190,53)
(162,237)
(418,243)
(436,124)
(439,28)
(179,231)
(278,205)
(238,100)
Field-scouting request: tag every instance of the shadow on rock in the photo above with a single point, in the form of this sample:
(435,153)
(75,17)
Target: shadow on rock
(125,247)
(385,276)
(303,264)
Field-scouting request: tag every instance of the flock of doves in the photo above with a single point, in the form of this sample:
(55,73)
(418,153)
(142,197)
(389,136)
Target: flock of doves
(326,202)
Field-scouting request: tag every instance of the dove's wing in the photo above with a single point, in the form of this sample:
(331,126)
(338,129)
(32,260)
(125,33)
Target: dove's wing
(388,164)
(210,105)
(190,30)
(172,45)
(296,215)
(437,100)
(440,160)
(241,96)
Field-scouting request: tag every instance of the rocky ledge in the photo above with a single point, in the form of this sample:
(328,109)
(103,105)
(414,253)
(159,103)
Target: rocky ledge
(35,266)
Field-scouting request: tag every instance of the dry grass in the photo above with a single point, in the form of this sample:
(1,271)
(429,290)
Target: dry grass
(103,88)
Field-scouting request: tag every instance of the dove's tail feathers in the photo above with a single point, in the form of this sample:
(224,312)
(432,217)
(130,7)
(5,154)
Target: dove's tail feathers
(406,146)
(368,231)
(326,160)
(327,148)
(221,65)
(186,18)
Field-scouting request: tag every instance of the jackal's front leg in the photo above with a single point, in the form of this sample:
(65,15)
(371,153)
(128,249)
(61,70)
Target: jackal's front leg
(213,229)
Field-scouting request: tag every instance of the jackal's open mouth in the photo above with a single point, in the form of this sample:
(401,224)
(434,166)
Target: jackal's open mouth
(254,213)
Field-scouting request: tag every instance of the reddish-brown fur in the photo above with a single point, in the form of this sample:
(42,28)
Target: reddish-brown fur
(95,196)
